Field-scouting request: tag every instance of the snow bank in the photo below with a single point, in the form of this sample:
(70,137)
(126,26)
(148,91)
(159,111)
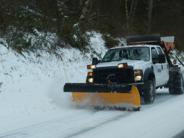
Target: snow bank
(31,86)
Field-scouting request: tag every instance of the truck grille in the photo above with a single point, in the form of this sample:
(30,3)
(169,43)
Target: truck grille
(113,75)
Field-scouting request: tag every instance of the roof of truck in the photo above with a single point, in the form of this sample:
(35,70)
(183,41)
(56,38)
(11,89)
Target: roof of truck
(129,46)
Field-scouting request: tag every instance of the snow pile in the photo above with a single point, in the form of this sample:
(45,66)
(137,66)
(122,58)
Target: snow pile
(31,86)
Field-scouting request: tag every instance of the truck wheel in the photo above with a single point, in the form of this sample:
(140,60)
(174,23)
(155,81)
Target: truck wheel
(149,92)
(176,82)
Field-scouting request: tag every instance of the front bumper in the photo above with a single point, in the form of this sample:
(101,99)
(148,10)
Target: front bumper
(99,88)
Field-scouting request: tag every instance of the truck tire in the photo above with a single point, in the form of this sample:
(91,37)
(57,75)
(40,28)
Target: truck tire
(176,81)
(149,92)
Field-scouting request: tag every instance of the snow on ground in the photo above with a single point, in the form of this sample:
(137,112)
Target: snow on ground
(163,120)
(33,104)
(31,86)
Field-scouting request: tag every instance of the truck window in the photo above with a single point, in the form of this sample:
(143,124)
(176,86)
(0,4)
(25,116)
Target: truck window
(162,57)
(155,57)
(154,53)
(127,53)
(159,51)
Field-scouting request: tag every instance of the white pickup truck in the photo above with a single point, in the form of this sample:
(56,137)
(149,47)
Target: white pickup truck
(147,66)
(125,73)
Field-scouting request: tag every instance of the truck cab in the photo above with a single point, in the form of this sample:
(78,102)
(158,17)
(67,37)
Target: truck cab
(143,65)
(144,58)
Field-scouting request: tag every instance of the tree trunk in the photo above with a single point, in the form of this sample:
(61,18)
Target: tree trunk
(133,10)
(127,14)
(59,17)
(150,11)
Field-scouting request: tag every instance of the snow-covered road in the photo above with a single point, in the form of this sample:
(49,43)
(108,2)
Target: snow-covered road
(163,119)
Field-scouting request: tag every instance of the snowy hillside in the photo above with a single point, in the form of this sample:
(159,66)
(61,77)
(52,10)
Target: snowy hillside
(31,86)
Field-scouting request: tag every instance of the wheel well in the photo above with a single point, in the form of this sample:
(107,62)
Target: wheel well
(149,74)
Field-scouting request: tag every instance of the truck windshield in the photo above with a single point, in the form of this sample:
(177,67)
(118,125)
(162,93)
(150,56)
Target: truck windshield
(128,53)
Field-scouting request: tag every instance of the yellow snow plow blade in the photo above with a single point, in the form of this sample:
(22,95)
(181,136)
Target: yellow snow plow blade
(129,98)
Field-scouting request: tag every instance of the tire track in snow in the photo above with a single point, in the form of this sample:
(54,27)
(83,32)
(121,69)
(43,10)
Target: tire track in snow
(66,126)
(96,126)
(161,97)
(78,123)
(18,132)
(180,135)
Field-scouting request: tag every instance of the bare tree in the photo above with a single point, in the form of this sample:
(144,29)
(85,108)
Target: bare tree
(85,9)
(150,11)
(130,10)
(59,15)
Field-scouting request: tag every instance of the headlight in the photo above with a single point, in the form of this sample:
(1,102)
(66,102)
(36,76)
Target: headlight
(90,74)
(138,74)
(90,80)
(138,78)
(122,65)
(91,66)
(90,77)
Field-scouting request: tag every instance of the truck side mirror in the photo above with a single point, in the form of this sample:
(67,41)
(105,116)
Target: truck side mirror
(95,61)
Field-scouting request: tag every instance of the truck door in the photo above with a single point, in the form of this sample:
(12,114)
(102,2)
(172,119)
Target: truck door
(156,66)
(164,65)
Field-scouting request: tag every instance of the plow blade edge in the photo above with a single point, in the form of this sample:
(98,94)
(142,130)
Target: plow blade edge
(104,94)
